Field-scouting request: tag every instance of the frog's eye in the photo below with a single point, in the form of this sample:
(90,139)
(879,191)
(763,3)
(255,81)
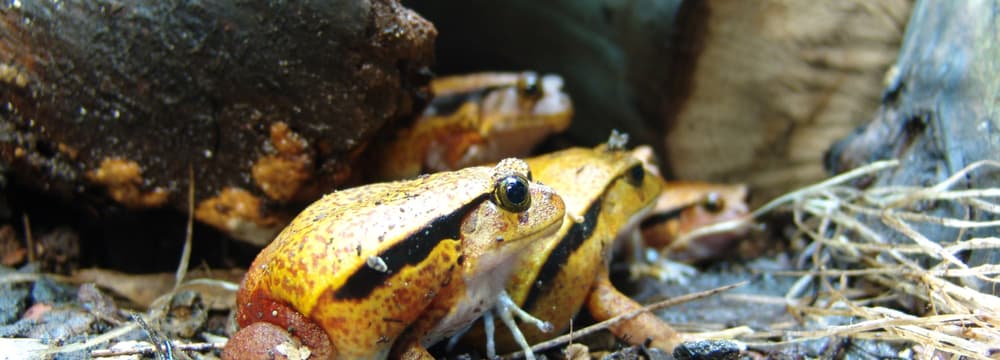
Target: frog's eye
(635,175)
(511,193)
(713,202)
(529,86)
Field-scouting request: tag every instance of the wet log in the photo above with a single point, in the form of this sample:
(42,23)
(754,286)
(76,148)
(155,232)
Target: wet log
(268,103)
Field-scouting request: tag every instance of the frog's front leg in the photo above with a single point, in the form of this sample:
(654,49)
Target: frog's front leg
(647,261)
(605,302)
(505,308)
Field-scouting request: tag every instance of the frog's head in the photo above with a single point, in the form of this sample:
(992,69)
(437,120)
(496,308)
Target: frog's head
(687,206)
(518,212)
(634,189)
(513,113)
(529,102)
(605,177)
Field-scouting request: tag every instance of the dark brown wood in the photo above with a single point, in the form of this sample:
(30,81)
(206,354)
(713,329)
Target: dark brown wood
(172,85)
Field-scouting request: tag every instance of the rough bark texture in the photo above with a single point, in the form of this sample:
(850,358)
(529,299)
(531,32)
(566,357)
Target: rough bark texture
(270,100)
(939,112)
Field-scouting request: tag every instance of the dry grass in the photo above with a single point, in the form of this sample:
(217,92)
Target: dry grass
(845,235)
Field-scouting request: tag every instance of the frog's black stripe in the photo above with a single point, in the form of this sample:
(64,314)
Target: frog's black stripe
(413,250)
(574,237)
(663,217)
(449,104)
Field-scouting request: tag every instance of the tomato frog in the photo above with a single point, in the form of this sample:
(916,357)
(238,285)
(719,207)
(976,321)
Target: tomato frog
(685,206)
(391,268)
(691,221)
(476,119)
(607,190)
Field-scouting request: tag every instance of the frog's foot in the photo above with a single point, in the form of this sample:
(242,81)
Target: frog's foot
(259,341)
(606,302)
(661,268)
(505,309)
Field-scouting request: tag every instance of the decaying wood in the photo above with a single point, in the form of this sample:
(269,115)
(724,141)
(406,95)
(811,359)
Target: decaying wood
(275,99)
(938,116)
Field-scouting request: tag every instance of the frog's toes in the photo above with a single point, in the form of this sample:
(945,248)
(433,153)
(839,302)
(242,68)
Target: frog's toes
(675,272)
(505,308)
(662,269)
(490,329)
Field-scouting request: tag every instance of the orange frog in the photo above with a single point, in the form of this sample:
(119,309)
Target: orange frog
(691,221)
(392,267)
(476,119)
(687,206)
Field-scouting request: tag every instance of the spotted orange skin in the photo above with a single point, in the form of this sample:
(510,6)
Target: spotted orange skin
(302,281)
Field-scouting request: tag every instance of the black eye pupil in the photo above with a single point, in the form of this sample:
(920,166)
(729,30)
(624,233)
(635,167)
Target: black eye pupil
(713,202)
(516,190)
(512,194)
(636,174)
(529,85)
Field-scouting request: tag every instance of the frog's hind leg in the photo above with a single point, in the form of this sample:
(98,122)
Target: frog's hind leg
(605,302)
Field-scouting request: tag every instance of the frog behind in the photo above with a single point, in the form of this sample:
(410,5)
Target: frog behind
(476,119)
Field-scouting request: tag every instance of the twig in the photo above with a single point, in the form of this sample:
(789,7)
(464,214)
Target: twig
(182,268)
(622,317)
(960,175)
(14,278)
(161,345)
(150,349)
(94,341)
(28,239)
(842,178)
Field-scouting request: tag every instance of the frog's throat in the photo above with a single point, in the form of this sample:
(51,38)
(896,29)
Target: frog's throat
(505,257)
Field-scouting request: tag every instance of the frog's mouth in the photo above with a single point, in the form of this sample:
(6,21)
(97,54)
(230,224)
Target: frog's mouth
(503,259)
